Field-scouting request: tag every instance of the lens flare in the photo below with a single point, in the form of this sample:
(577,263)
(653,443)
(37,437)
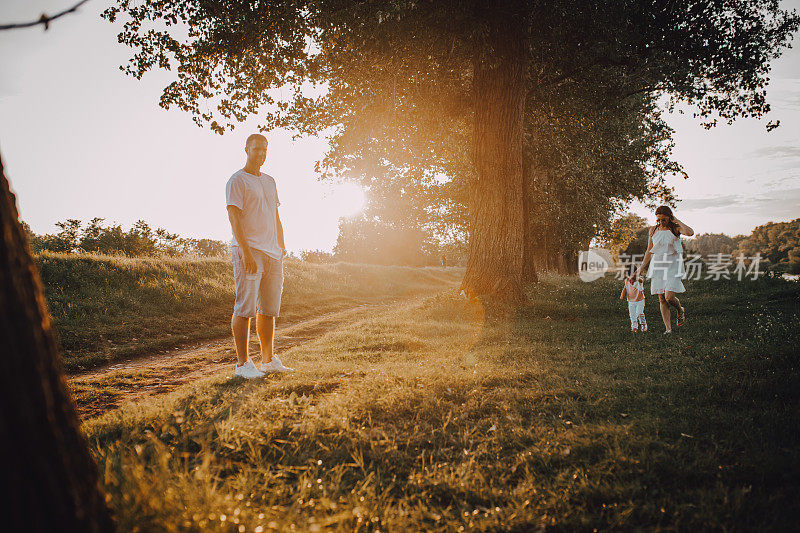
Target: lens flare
(350,198)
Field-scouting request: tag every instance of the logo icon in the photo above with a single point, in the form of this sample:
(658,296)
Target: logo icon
(594,263)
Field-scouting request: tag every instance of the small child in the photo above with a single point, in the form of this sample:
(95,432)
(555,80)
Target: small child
(635,293)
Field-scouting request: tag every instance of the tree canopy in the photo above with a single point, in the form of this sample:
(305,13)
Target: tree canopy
(481,92)
(414,59)
(622,232)
(777,242)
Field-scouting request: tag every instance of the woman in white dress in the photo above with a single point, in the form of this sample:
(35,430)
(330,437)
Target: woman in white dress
(665,249)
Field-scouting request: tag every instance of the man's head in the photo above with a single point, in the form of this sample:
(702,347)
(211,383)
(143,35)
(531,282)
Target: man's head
(256,149)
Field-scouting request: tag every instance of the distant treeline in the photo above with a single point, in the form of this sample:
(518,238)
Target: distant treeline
(139,241)
(372,240)
(778,243)
(364,239)
(361,240)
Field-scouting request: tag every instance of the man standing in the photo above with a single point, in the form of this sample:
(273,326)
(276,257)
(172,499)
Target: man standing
(257,251)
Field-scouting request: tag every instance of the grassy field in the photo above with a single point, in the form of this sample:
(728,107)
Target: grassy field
(428,417)
(105,308)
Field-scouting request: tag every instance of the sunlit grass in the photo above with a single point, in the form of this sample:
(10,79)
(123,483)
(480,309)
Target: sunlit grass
(108,307)
(423,417)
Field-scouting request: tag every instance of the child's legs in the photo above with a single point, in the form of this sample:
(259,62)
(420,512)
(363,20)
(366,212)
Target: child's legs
(640,315)
(633,312)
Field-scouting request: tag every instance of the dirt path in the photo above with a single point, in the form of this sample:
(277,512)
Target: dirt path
(105,388)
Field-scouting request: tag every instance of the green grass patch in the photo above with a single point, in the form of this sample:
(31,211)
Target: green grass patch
(107,307)
(426,417)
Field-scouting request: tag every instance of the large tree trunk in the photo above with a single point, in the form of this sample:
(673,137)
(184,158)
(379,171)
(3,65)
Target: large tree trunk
(50,478)
(495,265)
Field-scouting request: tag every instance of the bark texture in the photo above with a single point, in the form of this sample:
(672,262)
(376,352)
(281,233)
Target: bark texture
(497,223)
(50,478)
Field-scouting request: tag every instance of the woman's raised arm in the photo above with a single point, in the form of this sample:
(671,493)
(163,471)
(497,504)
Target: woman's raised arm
(683,228)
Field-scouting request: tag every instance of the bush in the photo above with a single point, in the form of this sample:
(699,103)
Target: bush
(317,256)
(140,241)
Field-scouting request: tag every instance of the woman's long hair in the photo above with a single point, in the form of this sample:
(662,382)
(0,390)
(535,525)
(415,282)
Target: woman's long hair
(672,225)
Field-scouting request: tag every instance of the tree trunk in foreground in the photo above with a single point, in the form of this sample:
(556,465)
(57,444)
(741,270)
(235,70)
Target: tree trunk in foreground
(50,479)
(495,264)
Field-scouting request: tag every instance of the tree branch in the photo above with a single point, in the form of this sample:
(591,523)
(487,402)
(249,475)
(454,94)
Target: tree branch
(643,90)
(44,19)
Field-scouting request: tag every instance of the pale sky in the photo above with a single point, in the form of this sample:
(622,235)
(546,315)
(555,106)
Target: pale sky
(80,139)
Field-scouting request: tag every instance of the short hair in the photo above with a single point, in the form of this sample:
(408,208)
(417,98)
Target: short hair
(255,137)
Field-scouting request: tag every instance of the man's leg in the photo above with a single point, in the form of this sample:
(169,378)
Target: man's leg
(244,306)
(240,325)
(265,326)
(269,305)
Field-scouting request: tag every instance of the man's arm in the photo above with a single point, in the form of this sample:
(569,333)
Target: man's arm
(235,216)
(280,230)
(622,296)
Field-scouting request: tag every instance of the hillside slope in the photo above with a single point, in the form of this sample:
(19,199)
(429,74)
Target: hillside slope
(106,307)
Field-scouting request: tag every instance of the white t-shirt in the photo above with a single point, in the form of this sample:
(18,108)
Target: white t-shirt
(257,197)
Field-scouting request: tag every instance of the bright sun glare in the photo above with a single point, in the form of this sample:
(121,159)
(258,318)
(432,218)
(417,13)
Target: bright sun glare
(350,198)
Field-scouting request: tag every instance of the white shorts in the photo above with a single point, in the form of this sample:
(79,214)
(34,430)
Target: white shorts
(260,292)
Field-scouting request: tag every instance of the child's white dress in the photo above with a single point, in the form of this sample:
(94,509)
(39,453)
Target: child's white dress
(666,266)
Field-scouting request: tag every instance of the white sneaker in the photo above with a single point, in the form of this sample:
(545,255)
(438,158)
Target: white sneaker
(248,370)
(275,366)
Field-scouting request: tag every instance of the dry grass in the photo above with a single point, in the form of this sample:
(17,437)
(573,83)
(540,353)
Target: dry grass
(106,308)
(426,418)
